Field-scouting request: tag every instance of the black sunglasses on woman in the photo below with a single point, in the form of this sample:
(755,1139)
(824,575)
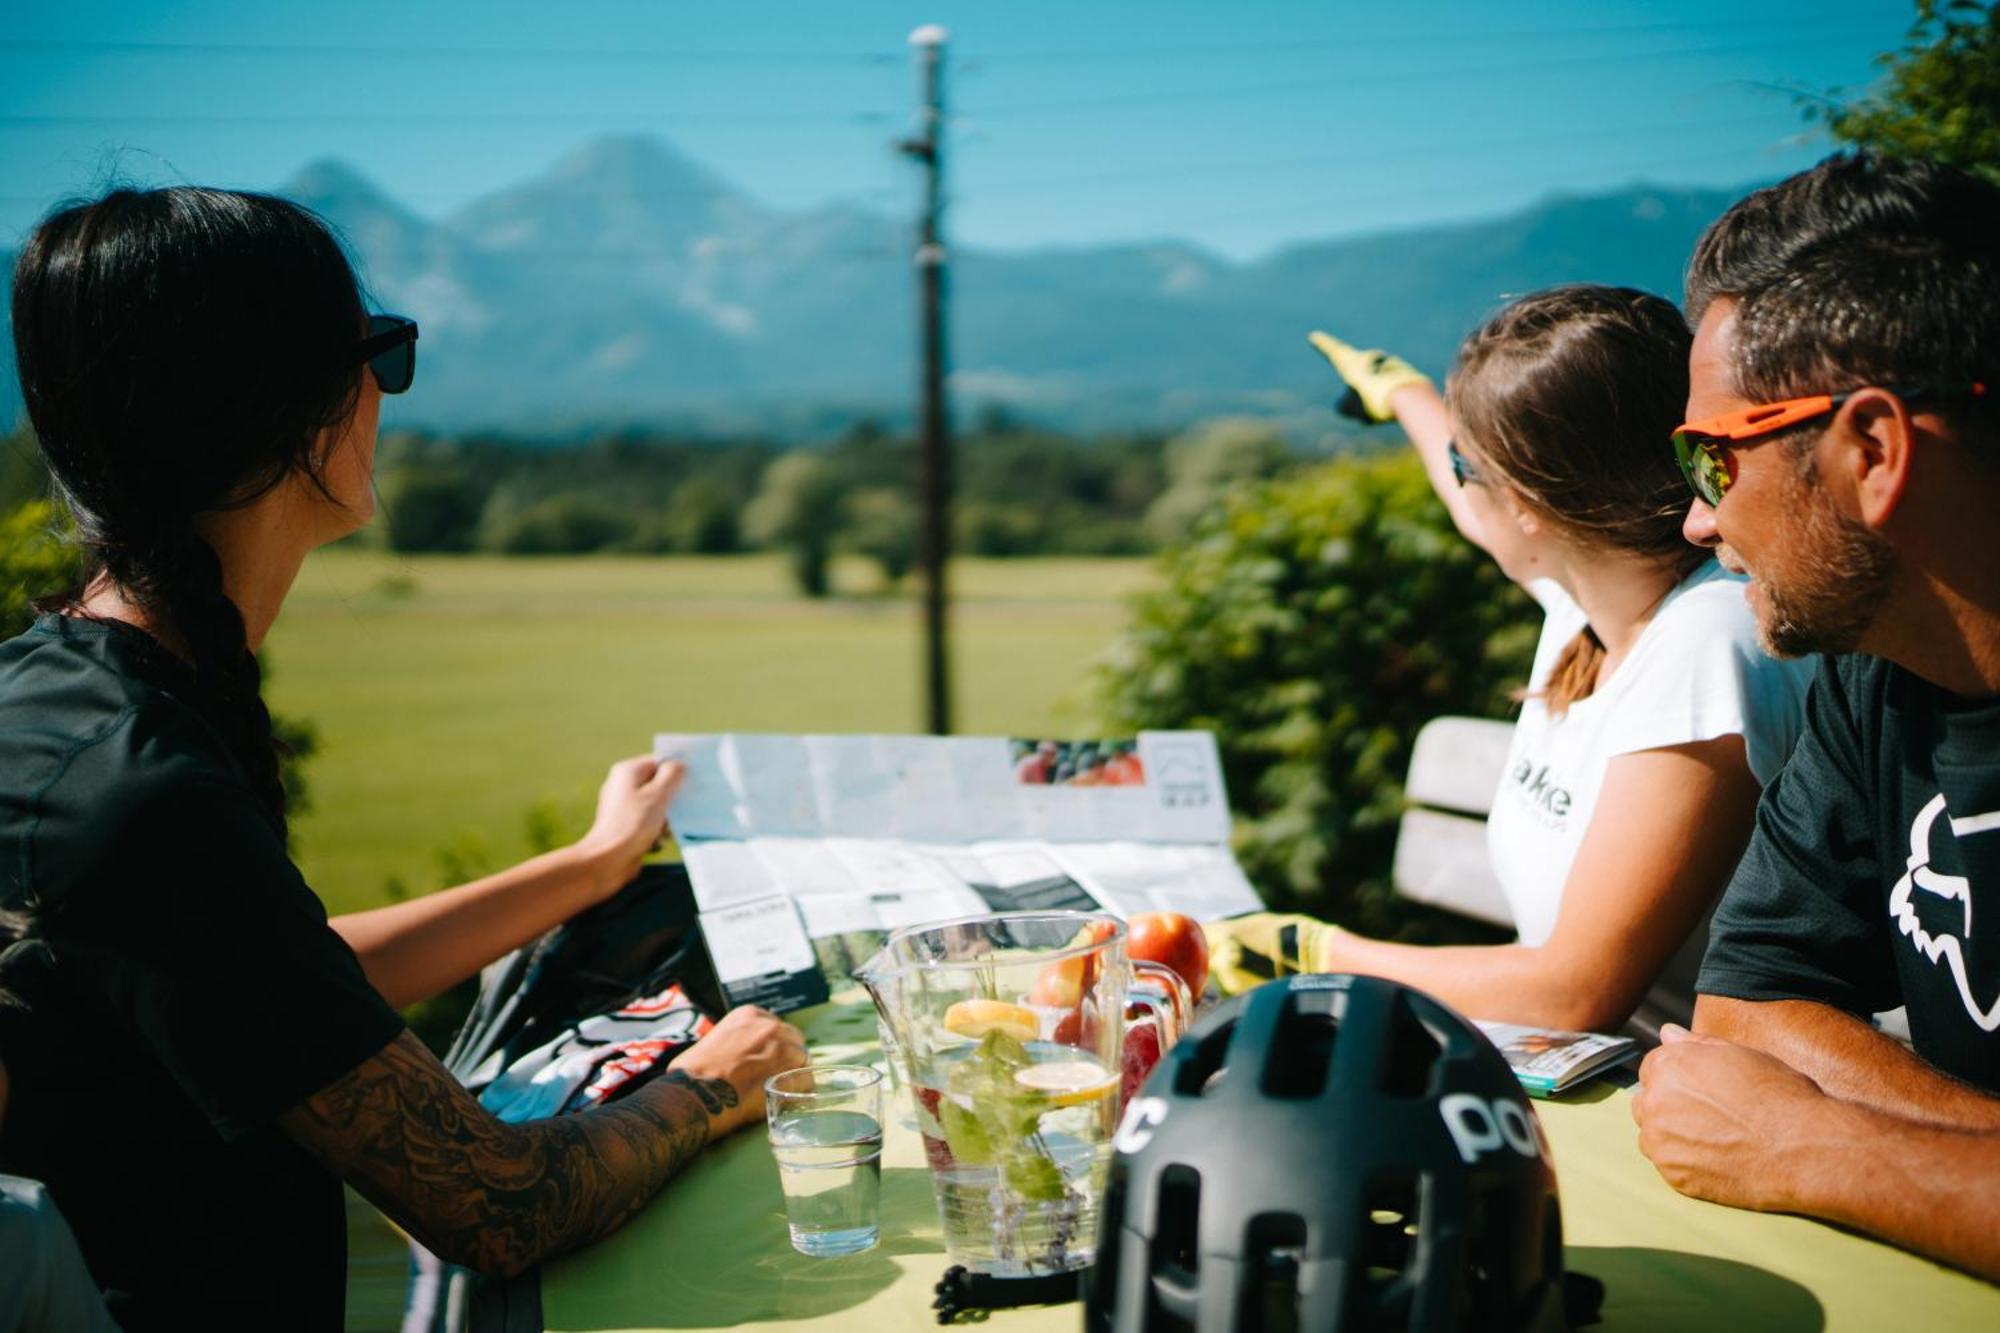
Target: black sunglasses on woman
(390,349)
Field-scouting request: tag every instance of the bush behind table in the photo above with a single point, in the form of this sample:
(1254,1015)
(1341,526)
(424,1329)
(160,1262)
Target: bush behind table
(1314,623)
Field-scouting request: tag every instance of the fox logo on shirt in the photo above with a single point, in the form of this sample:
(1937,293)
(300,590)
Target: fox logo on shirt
(1943,891)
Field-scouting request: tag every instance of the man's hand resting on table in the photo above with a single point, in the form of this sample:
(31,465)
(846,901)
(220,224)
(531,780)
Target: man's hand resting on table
(1715,1118)
(1733,1125)
(727,1068)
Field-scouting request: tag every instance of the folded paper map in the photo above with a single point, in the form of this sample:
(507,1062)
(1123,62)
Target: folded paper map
(869,833)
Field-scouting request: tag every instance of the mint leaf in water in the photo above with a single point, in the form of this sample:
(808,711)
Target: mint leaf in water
(1033,1175)
(964,1134)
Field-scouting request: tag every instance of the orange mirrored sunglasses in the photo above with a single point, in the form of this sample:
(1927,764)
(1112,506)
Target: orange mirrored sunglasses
(1702,447)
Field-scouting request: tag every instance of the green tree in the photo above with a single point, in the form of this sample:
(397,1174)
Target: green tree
(987,527)
(1204,463)
(23,476)
(562,524)
(35,561)
(704,518)
(1314,623)
(797,509)
(881,524)
(431,507)
(1939,95)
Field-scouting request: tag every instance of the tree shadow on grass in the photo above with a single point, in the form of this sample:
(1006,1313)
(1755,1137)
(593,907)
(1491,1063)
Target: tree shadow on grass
(1647,1288)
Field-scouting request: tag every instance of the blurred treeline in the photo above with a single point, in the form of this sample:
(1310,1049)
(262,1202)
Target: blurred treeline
(1018,490)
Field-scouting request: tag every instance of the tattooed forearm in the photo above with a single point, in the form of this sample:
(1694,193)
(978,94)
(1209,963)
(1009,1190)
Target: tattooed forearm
(494,1196)
(717,1094)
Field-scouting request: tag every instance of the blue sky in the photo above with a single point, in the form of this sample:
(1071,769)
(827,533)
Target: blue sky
(1239,126)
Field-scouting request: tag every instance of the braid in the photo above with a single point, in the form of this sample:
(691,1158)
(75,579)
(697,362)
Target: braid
(188,587)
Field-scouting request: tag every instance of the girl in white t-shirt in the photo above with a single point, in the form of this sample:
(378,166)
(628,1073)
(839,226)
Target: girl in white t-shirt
(1652,717)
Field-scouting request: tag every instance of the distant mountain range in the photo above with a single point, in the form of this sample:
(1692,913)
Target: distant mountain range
(628,285)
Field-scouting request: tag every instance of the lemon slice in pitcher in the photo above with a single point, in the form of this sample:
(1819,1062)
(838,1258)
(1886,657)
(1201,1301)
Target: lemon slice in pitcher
(976,1018)
(1068,1082)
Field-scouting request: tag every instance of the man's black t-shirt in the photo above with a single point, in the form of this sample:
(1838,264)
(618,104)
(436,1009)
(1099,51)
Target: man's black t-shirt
(180,988)
(1873,879)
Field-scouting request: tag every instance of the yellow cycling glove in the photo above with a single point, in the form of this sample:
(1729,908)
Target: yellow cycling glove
(1247,951)
(1371,376)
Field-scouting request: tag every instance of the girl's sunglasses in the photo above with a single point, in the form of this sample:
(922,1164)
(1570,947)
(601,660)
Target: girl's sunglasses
(390,351)
(1462,469)
(1703,448)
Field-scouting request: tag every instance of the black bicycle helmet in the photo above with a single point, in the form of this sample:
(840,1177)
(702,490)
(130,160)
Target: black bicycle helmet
(1329,1153)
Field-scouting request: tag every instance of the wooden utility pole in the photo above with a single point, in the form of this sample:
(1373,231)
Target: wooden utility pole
(934,416)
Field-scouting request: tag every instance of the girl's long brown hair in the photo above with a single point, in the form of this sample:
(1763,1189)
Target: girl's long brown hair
(1571,395)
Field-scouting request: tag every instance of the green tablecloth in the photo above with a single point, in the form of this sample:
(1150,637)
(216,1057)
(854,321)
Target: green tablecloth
(712,1251)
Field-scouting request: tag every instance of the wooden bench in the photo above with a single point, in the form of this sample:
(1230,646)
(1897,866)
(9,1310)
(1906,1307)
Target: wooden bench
(1441,855)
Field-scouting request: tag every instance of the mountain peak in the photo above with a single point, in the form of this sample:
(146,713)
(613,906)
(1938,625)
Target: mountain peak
(632,194)
(330,185)
(639,164)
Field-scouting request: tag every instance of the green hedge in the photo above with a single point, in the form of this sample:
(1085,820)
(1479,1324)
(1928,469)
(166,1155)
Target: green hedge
(1314,623)
(35,561)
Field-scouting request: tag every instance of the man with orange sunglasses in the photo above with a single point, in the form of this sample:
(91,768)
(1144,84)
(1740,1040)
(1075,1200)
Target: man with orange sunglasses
(1844,450)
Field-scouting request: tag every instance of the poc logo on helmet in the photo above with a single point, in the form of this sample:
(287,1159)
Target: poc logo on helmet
(1136,1130)
(1479,1126)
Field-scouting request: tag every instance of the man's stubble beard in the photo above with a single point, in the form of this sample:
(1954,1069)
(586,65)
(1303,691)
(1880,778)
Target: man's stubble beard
(1844,572)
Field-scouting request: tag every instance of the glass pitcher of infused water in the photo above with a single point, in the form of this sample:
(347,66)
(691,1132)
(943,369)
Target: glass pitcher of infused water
(1010,1031)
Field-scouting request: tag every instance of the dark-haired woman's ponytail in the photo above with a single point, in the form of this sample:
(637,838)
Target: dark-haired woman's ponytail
(188,586)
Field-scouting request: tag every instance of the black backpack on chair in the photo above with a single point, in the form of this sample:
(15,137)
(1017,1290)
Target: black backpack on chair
(637,943)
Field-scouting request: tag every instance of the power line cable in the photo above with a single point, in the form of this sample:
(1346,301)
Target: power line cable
(431,120)
(263,49)
(1817,19)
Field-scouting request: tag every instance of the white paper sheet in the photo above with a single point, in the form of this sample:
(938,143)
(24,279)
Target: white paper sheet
(725,872)
(1132,877)
(756,939)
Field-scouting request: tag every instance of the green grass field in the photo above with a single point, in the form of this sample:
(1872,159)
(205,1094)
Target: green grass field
(455,695)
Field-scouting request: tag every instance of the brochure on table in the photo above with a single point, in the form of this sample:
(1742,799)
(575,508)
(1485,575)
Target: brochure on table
(791,839)
(1549,1061)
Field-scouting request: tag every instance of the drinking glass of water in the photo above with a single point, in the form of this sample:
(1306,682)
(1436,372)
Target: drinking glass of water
(826,1132)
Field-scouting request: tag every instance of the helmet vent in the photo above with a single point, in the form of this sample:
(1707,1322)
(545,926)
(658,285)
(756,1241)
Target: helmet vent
(1490,1247)
(1390,1228)
(1305,1039)
(1177,1230)
(1412,1054)
(1272,1253)
(1200,1071)
(1387,1274)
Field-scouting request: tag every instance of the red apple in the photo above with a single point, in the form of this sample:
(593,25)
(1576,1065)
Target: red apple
(1061,984)
(1142,1052)
(1173,940)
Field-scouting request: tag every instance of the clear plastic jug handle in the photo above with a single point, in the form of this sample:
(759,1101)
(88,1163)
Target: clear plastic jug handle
(1159,990)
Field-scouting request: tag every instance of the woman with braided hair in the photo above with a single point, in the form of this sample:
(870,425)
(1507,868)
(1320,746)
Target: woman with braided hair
(198,1055)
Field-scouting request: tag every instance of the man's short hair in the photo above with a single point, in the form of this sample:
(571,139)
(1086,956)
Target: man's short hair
(1863,270)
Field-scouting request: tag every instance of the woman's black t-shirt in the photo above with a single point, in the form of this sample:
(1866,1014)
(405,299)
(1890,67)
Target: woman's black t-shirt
(180,988)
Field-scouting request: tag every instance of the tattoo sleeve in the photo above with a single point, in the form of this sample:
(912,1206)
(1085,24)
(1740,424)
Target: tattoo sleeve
(716,1094)
(497,1197)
